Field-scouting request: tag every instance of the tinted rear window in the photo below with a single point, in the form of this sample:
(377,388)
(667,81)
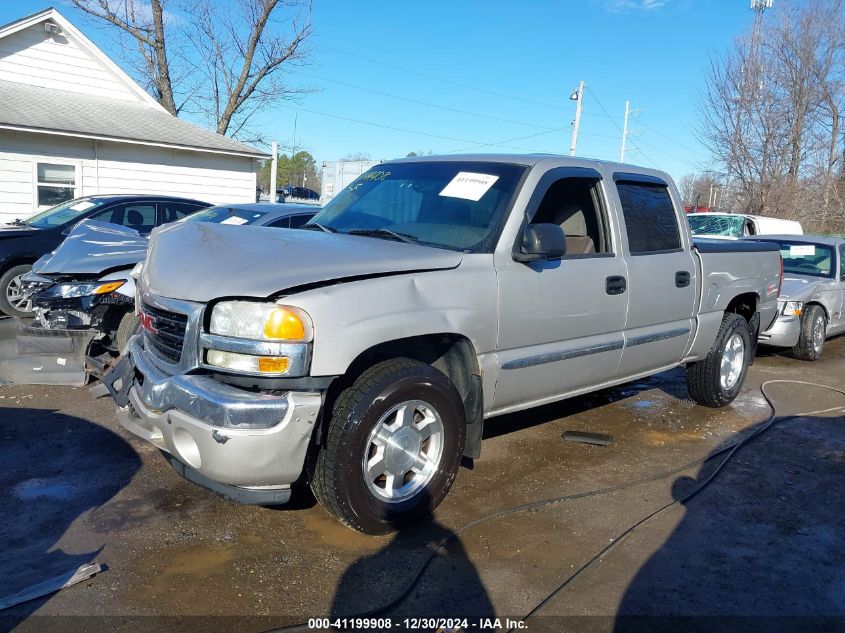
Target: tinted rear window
(650,218)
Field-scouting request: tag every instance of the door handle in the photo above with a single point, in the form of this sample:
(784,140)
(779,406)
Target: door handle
(682,279)
(615,285)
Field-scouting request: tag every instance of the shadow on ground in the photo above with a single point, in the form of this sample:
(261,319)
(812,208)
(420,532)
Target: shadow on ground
(450,586)
(759,549)
(55,469)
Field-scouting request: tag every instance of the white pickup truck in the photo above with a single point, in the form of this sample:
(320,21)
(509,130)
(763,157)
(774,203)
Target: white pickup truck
(364,352)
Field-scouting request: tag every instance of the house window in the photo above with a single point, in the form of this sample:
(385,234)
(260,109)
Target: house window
(55,183)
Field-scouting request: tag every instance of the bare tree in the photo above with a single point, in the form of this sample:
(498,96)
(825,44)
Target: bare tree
(771,114)
(229,56)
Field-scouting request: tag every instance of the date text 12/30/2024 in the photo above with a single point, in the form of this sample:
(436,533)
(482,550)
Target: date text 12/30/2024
(413,624)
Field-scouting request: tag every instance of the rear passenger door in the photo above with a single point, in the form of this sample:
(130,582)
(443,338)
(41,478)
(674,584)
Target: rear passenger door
(661,275)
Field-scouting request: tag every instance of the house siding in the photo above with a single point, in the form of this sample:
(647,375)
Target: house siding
(106,167)
(38,58)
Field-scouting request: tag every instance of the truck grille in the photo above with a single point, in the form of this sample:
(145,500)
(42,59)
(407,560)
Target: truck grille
(164,331)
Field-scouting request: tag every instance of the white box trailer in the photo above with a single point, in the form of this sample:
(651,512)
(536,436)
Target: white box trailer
(337,174)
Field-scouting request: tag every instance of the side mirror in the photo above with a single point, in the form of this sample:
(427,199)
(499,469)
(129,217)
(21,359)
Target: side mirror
(541,242)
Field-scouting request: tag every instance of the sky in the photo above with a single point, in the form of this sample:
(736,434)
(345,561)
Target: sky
(391,77)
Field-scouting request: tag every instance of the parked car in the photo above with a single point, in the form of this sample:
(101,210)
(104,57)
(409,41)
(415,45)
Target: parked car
(737,225)
(300,193)
(811,304)
(85,284)
(24,241)
(428,296)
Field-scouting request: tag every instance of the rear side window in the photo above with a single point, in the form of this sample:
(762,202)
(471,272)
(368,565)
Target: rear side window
(650,218)
(177,210)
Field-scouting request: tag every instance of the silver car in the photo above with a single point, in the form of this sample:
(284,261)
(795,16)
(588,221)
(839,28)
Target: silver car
(811,304)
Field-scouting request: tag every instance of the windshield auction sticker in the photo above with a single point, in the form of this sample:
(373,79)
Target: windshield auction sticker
(469,186)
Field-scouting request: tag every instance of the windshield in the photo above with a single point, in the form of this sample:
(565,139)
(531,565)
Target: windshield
(226,215)
(62,213)
(723,225)
(803,258)
(454,205)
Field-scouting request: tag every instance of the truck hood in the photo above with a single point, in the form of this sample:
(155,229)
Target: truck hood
(799,287)
(92,248)
(200,261)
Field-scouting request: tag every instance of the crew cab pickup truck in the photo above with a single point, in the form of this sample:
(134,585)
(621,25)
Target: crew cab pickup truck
(364,352)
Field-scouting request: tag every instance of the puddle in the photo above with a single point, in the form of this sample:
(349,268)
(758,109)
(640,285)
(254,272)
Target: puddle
(327,530)
(53,488)
(642,404)
(198,561)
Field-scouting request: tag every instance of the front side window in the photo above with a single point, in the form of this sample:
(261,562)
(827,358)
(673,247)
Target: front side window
(650,219)
(55,183)
(573,204)
(453,205)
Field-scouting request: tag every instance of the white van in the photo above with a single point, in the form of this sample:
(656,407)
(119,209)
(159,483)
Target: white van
(733,226)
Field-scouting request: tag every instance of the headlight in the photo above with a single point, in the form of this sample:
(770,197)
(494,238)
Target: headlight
(791,308)
(72,291)
(261,322)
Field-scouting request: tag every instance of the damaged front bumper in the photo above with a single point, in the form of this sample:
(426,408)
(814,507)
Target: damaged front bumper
(78,313)
(784,332)
(245,445)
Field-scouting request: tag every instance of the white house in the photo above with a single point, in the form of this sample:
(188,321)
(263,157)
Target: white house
(72,123)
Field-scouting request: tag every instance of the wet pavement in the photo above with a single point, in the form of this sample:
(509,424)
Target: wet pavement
(764,539)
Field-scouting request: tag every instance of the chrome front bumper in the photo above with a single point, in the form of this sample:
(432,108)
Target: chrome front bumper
(783,333)
(250,443)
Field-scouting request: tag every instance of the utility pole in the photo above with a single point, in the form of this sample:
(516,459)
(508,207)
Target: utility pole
(274,167)
(577,96)
(624,131)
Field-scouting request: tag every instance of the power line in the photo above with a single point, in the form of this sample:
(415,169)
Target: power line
(442,79)
(429,104)
(406,130)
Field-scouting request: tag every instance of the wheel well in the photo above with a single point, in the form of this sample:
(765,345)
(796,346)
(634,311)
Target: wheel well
(816,303)
(745,305)
(452,354)
(17,261)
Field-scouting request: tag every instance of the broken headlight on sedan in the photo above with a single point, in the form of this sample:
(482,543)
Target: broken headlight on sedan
(81,289)
(259,338)
(791,308)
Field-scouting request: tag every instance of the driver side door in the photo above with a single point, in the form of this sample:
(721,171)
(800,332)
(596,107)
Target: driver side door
(561,322)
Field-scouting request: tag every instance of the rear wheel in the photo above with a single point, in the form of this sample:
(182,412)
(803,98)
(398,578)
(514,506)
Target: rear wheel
(12,301)
(813,333)
(717,380)
(393,446)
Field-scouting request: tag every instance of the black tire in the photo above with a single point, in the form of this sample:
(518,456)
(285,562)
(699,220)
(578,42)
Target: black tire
(338,480)
(126,329)
(5,280)
(812,319)
(704,378)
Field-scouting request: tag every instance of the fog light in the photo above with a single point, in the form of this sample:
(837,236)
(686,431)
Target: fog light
(248,363)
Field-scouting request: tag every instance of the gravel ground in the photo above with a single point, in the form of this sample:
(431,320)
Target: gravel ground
(765,539)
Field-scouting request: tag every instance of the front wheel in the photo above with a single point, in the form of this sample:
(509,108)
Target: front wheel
(717,380)
(813,333)
(393,447)
(12,300)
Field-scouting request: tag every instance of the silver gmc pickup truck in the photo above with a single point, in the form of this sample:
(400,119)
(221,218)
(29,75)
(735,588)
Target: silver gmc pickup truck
(364,353)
